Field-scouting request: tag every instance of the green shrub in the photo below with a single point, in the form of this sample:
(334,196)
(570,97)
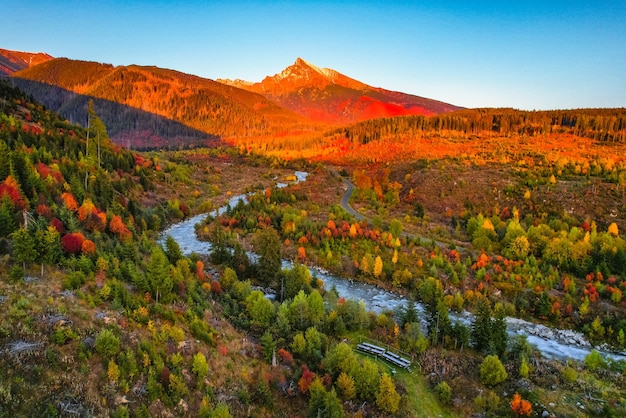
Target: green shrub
(444,393)
(492,371)
(16,274)
(74,280)
(107,344)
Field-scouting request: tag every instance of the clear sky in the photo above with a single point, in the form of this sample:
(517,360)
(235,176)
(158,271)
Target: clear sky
(525,54)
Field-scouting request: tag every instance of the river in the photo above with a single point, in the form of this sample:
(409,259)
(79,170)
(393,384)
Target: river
(552,343)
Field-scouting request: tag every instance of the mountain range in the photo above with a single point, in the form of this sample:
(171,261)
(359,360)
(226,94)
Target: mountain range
(325,95)
(146,106)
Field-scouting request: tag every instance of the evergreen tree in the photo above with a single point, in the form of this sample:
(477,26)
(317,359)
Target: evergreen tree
(23,247)
(492,371)
(172,250)
(409,314)
(159,278)
(219,250)
(5,161)
(48,247)
(482,328)
(267,246)
(268,346)
(7,218)
(500,336)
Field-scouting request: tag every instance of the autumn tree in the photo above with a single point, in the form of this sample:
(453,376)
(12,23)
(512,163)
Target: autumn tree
(345,386)
(366,379)
(199,366)
(520,406)
(378,267)
(387,397)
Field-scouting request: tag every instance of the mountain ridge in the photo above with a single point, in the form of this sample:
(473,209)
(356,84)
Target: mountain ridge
(326,95)
(12,61)
(301,99)
(201,104)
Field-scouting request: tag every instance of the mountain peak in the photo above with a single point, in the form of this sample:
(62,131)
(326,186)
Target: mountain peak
(12,61)
(326,95)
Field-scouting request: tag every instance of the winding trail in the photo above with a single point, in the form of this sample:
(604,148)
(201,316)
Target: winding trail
(345,201)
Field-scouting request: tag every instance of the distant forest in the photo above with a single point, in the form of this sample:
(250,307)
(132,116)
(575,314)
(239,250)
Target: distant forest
(606,125)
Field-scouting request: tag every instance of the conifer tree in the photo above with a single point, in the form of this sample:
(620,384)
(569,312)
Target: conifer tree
(23,247)
(267,246)
(161,283)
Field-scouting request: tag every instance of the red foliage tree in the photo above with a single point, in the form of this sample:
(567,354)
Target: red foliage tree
(216,287)
(86,209)
(10,188)
(58,225)
(72,243)
(116,225)
(285,356)
(44,210)
(96,221)
(307,378)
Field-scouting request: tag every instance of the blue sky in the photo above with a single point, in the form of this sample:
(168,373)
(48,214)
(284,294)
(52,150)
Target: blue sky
(522,54)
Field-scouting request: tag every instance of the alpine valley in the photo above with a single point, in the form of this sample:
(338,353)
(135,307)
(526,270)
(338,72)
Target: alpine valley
(172,245)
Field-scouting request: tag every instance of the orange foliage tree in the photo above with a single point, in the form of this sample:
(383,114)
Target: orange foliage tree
(88,247)
(307,378)
(86,209)
(116,225)
(70,201)
(520,406)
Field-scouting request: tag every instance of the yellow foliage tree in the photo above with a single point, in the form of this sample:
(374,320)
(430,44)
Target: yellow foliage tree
(345,386)
(378,266)
(613,230)
(387,397)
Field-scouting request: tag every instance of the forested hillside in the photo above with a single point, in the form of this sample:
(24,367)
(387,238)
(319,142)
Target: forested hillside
(199,104)
(484,133)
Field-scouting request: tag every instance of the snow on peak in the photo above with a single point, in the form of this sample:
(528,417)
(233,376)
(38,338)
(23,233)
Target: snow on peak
(326,72)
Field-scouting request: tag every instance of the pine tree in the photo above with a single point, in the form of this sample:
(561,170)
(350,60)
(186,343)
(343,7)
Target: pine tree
(5,161)
(23,247)
(161,283)
(500,336)
(267,246)
(172,250)
(409,314)
(268,346)
(482,328)
(7,219)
